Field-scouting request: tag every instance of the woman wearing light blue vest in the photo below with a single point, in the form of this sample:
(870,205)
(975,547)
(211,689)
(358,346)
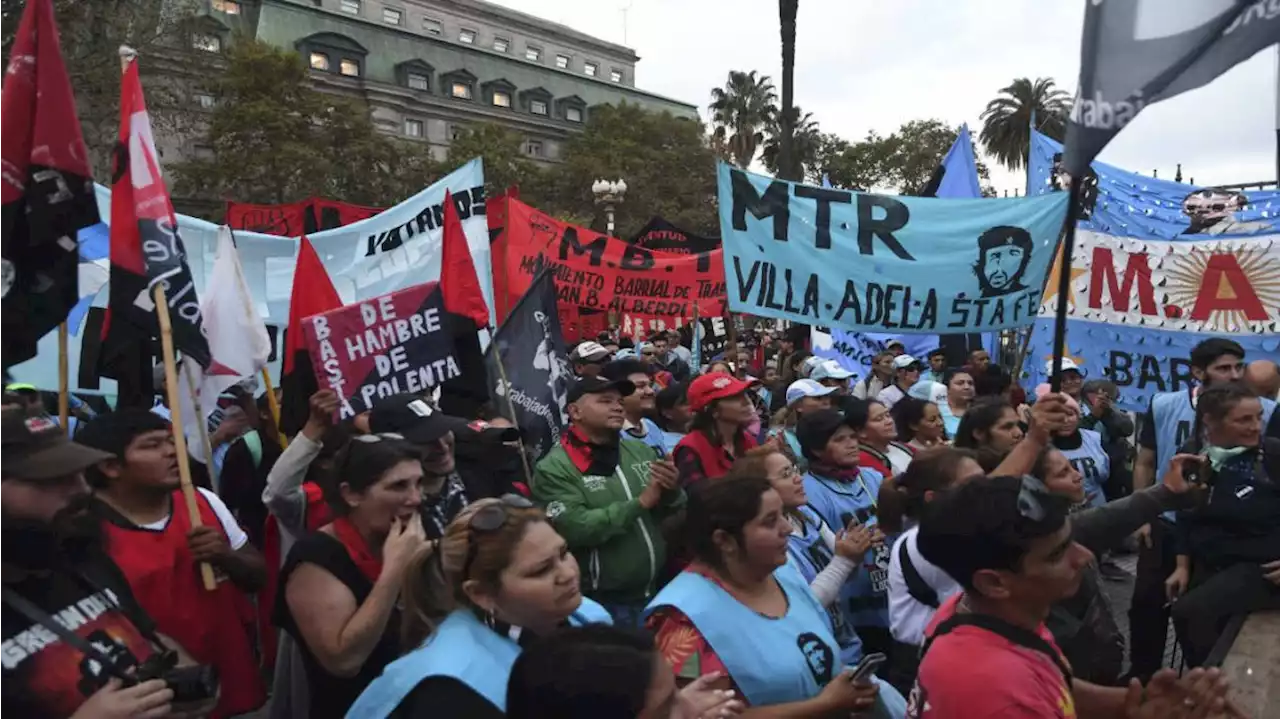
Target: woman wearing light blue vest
(1084,449)
(739,610)
(845,495)
(499,577)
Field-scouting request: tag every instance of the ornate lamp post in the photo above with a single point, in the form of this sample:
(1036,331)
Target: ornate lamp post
(609,194)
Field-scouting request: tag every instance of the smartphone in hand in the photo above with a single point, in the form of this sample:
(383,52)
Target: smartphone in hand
(868,666)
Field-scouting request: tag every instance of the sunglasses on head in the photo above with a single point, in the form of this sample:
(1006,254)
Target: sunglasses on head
(490,519)
(377,437)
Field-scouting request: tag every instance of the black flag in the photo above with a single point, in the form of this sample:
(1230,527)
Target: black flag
(535,364)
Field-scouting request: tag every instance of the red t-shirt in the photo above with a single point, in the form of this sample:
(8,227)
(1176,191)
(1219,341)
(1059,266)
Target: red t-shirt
(971,672)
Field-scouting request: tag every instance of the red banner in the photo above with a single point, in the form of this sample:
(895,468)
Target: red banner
(395,343)
(298,218)
(598,272)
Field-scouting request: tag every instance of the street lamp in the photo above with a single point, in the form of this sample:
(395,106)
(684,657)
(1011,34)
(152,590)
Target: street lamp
(609,194)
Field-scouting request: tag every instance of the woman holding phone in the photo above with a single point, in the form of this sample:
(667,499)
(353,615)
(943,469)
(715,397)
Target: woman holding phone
(740,611)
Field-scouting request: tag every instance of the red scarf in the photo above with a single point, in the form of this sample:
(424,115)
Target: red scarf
(587,456)
(346,532)
(839,474)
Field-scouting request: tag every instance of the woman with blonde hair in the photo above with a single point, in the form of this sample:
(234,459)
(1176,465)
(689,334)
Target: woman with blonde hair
(500,577)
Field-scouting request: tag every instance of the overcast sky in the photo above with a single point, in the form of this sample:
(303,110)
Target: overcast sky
(872,65)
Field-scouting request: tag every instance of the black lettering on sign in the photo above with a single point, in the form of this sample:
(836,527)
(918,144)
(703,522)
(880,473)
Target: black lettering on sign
(275,333)
(569,243)
(774,203)
(822,222)
(1149,372)
(467,202)
(636,259)
(896,215)
(1181,433)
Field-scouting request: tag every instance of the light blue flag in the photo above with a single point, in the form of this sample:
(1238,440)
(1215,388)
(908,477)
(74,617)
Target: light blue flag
(875,263)
(1158,267)
(960,179)
(826,180)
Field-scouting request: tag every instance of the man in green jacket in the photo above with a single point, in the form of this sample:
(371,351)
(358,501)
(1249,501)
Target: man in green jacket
(607,497)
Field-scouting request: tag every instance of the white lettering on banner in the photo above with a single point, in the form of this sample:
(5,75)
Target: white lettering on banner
(416,381)
(375,340)
(1100,114)
(35,638)
(1222,286)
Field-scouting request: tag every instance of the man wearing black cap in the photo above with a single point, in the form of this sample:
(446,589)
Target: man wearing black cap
(50,569)
(445,491)
(607,496)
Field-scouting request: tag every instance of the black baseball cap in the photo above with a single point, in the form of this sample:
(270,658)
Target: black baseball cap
(36,449)
(815,429)
(595,385)
(414,417)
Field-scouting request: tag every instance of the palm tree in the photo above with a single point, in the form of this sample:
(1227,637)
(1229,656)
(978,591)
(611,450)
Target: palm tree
(806,141)
(789,168)
(1007,119)
(740,111)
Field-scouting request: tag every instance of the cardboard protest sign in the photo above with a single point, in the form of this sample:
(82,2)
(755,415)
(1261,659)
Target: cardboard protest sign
(598,272)
(875,263)
(398,342)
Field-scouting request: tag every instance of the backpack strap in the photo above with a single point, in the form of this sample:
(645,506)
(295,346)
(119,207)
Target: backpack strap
(916,586)
(1015,634)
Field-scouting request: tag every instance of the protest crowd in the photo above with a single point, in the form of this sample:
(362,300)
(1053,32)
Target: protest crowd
(704,510)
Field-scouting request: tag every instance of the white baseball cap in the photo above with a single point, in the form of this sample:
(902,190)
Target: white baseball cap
(904,361)
(590,351)
(809,364)
(802,388)
(928,391)
(1067,364)
(830,369)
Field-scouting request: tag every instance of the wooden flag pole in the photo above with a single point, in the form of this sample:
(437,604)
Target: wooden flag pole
(274,405)
(202,423)
(511,407)
(179,437)
(64,391)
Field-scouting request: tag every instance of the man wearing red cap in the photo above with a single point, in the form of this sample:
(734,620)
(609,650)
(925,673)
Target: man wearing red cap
(721,413)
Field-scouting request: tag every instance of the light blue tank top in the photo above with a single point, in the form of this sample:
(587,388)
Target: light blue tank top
(653,436)
(771,660)
(462,648)
(865,596)
(1093,463)
(810,555)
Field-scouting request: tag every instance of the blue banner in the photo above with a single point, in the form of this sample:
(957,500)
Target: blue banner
(1158,267)
(855,350)
(863,262)
(960,170)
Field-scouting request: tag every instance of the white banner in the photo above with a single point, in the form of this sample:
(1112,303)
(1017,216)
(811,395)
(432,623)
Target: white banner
(392,250)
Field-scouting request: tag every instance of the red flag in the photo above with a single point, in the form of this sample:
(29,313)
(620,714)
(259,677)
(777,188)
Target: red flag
(313,293)
(47,190)
(458,280)
(146,248)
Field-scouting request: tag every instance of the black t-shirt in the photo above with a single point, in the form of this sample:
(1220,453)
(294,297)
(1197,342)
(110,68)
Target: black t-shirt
(332,696)
(43,675)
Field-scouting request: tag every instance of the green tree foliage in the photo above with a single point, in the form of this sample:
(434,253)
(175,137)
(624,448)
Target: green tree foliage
(276,139)
(902,162)
(505,162)
(665,161)
(91,33)
(805,143)
(1007,120)
(740,113)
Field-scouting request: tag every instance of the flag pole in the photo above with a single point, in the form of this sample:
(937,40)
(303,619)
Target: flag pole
(179,438)
(274,405)
(202,424)
(64,392)
(511,407)
(1064,284)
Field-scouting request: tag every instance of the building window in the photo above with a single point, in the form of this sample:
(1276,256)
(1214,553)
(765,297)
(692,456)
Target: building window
(205,100)
(392,16)
(230,7)
(413,128)
(418,82)
(467,36)
(456,131)
(432,27)
(533,54)
(590,69)
(460,90)
(615,75)
(207,43)
(351,7)
(562,62)
(319,61)
(501,99)
(533,148)
(573,114)
(537,107)
(501,44)
(349,67)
